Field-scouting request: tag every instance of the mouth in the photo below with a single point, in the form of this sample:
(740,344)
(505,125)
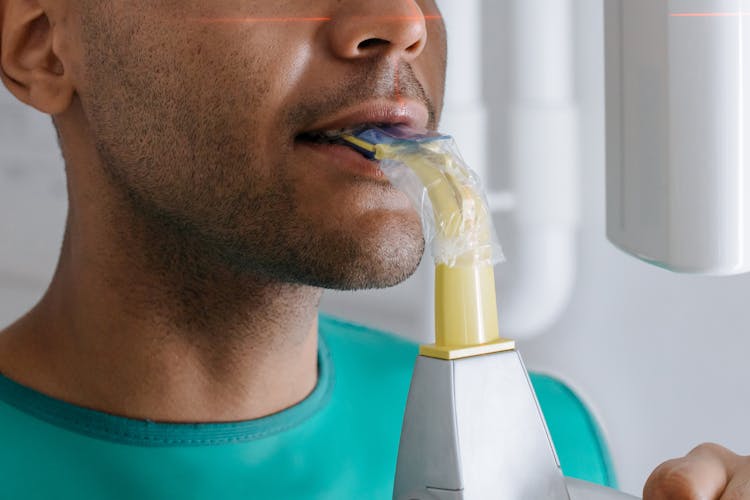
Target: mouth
(380,113)
(333,136)
(327,149)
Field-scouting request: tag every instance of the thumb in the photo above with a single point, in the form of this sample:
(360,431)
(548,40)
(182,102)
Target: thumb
(703,474)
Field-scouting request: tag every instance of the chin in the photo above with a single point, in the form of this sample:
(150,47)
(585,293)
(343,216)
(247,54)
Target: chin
(373,251)
(374,256)
(381,263)
(371,275)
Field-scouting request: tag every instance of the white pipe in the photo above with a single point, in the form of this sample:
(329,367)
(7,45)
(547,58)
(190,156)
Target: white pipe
(544,163)
(543,51)
(544,157)
(464,78)
(465,112)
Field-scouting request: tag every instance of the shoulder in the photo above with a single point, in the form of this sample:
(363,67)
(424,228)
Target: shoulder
(372,369)
(368,348)
(372,372)
(578,439)
(380,364)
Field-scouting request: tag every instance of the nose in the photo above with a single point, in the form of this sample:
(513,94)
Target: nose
(363,29)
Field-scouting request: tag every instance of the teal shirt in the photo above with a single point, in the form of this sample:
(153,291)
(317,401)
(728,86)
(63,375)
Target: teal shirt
(341,442)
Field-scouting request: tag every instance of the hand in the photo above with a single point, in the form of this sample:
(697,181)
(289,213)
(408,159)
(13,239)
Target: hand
(709,472)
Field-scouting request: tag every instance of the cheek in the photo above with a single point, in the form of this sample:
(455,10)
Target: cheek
(430,67)
(335,201)
(244,78)
(190,98)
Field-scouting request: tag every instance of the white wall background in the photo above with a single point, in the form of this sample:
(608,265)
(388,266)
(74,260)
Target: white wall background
(662,358)
(32,205)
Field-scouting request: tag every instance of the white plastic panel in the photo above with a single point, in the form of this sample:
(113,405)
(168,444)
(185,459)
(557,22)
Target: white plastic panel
(677,188)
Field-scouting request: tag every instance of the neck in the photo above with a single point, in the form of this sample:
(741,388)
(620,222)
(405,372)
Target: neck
(154,329)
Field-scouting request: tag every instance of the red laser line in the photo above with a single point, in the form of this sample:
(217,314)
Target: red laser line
(415,8)
(264,19)
(283,20)
(711,14)
(399,18)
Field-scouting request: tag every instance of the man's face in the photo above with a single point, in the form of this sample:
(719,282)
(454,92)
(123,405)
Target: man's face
(199,112)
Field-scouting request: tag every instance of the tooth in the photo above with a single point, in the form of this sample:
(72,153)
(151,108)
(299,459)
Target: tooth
(328,135)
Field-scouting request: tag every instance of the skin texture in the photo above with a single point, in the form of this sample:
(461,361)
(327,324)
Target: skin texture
(199,233)
(709,471)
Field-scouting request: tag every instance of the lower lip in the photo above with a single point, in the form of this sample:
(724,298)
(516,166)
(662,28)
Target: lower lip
(346,159)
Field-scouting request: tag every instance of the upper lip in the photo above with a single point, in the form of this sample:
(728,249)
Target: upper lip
(379,112)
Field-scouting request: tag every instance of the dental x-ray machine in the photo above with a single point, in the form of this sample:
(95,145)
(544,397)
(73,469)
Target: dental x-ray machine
(676,73)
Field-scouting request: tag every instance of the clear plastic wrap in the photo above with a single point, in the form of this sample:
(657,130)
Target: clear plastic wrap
(449,196)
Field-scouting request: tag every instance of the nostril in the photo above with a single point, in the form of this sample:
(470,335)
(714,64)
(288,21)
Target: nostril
(372,42)
(415,47)
(370,36)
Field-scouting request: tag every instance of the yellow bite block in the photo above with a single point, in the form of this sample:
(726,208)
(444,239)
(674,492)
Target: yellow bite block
(466,310)
(465,305)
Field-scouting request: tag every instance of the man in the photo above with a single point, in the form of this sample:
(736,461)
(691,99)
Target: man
(176,353)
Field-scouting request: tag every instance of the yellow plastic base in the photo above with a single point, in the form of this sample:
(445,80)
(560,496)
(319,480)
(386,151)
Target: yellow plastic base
(465,305)
(449,352)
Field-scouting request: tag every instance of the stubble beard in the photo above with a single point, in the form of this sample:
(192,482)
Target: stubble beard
(177,173)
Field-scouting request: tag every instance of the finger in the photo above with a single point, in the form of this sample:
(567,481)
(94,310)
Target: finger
(685,479)
(702,474)
(715,452)
(739,485)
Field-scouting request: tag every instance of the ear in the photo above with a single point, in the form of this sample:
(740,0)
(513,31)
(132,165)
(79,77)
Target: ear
(29,66)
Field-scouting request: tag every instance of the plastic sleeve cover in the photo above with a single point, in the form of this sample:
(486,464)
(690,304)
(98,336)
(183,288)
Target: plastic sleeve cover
(449,197)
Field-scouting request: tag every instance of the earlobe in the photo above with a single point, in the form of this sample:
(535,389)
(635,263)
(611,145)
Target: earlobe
(31,69)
